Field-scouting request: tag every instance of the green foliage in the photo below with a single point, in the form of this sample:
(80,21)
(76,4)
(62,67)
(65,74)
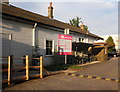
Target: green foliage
(61,67)
(35,54)
(75,21)
(85,27)
(110,49)
(55,67)
(111,44)
(74,67)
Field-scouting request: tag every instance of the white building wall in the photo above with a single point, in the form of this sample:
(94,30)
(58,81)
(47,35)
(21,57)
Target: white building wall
(87,39)
(91,40)
(22,40)
(45,33)
(21,37)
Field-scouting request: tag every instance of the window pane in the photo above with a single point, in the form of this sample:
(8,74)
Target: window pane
(48,51)
(48,47)
(50,43)
(47,43)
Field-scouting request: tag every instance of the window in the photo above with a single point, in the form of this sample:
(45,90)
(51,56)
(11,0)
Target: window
(49,47)
(81,39)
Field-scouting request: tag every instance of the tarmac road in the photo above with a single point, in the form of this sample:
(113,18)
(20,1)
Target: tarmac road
(107,69)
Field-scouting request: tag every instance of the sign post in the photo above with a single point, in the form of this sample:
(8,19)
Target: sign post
(65,45)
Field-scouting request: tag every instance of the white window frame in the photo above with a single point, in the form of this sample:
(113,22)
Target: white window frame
(53,46)
(10,36)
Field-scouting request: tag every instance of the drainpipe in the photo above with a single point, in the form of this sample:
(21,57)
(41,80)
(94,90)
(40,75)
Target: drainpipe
(34,37)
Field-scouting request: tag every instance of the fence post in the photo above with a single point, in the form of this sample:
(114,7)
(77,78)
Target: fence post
(10,63)
(27,67)
(41,67)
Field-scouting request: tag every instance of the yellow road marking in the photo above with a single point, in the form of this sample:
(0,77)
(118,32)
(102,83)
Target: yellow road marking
(81,75)
(98,77)
(67,73)
(89,77)
(92,76)
(117,80)
(107,79)
(73,74)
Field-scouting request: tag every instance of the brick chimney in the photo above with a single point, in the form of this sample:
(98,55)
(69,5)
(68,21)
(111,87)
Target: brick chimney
(50,11)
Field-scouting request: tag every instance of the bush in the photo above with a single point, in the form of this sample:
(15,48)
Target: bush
(36,54)
(74,67)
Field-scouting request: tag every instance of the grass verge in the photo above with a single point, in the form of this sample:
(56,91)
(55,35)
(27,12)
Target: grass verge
(61,67)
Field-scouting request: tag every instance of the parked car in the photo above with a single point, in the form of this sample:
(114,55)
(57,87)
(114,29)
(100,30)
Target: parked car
(112,54)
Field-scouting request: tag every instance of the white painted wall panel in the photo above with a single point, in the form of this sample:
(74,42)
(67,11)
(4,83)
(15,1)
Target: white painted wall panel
(21,43)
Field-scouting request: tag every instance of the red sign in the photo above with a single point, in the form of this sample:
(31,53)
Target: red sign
(64,44)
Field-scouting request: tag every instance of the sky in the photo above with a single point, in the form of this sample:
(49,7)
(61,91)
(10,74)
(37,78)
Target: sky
(101,17)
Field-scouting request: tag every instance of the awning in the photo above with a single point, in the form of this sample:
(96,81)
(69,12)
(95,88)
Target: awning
(81,46)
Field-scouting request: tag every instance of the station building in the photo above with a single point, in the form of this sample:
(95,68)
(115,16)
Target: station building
(23,31)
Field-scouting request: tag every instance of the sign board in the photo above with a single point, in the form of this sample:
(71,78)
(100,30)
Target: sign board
(64,44)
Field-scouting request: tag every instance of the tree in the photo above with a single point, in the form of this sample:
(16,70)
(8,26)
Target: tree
(111,44)
(85,27)
(75,21)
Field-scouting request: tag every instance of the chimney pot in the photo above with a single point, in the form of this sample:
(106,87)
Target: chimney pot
(50,3)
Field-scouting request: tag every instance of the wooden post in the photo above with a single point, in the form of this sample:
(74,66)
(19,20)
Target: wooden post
(27,67)
(10,63)
(41,67)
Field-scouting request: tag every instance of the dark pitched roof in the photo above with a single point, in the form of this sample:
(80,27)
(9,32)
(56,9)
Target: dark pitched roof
(18,12)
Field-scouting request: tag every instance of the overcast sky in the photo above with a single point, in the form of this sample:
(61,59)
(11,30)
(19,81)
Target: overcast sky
(100,17)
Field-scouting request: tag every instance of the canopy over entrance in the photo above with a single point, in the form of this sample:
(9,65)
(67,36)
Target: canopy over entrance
(81,47)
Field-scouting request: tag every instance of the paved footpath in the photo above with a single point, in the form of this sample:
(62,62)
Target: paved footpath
(107,69)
